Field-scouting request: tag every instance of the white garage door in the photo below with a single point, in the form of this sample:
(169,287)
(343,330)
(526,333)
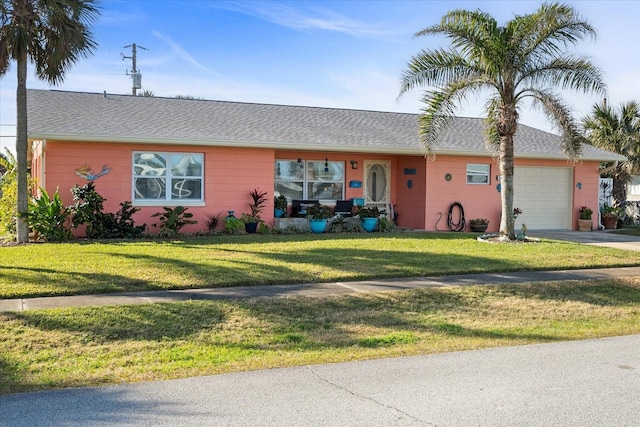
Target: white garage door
(544,194)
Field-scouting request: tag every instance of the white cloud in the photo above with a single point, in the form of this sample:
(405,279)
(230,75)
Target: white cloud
(289,17)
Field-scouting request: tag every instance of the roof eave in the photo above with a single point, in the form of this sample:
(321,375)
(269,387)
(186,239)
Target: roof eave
(418,151)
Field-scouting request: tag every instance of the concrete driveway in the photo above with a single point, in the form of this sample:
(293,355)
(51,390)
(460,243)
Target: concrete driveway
(595,238)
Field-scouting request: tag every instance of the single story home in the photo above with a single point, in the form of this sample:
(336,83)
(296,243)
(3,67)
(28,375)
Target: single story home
(208,155)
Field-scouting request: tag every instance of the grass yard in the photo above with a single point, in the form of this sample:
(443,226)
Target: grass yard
(99,267)
(74,347)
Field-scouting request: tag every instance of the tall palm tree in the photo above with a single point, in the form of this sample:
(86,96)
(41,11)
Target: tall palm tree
(53,35)
(524,59)
(617,131)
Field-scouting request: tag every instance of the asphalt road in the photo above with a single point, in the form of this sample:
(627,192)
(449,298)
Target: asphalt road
(580,383)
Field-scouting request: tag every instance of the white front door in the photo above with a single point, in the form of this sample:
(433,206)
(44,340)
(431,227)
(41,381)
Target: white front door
(377,184)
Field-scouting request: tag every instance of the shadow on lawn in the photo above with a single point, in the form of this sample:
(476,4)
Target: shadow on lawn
(444,318)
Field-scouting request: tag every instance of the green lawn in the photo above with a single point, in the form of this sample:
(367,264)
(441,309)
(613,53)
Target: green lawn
(85,346)
(75,347)
(85,268)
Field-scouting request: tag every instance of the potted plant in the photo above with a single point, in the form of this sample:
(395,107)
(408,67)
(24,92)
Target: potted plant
(609,215)
(479,225)
(369,216)
(251,220)
(318,216)
(280,206)
(584,219)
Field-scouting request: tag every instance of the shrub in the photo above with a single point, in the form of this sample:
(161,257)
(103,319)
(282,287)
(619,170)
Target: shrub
(49,218)
(172,220)
(9,194)
(385,225)
(213,221)
(88,210)
(233,225)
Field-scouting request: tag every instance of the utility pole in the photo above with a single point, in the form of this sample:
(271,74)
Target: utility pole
(135,73)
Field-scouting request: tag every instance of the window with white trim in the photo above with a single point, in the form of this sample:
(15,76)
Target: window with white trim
(167,177)
(309,180)
(478,173)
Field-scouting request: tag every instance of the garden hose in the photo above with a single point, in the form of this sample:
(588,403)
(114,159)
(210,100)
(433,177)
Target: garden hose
(461,224)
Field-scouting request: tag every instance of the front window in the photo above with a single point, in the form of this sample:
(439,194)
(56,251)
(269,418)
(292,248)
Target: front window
(310,180)
(478,174)
(167,177)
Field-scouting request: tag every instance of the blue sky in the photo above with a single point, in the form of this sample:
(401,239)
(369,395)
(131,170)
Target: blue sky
(344,54)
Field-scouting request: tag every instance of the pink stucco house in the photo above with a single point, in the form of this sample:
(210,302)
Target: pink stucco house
(208,156)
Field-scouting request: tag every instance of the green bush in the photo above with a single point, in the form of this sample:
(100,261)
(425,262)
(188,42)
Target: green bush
(8,206)
(9,194)
(172,220)
(233,225)
(88,210)
(49,218)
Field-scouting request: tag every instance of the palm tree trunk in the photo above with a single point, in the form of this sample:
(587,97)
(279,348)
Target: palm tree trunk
(507,222)
(620,179)
(22,229)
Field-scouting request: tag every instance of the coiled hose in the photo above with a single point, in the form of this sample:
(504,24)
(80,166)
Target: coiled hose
(457,226)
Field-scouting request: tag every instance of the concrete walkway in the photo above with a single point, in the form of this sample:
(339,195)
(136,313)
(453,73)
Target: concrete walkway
(315,289)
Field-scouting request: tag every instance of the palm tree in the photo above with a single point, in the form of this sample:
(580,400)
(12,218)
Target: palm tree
(617,131)
(52,34)
(524,59)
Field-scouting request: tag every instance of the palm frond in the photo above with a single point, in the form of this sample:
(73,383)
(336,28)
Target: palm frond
(559,114)
(567,72)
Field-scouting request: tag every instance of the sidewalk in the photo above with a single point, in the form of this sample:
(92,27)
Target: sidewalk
(314,289)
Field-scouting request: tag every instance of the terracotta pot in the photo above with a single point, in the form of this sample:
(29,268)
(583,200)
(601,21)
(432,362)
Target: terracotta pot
(610,221)
(585,225)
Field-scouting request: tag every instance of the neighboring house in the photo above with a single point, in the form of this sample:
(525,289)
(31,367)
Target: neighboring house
(633,189)
(208,156)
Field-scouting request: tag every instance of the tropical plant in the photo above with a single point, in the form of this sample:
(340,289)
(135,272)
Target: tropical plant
(617,131)
(369,212)
(608,210)
(213,221)
(52,35)
(49,218)
(585,212)
(280,202)
(172,220)
(524,59)
(385,225)
(318,211)
(259,199)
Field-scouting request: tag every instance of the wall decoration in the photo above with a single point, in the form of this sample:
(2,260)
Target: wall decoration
(447,177)
(499,188)
(579,185)
(86,172)
(409,184)
(409,171)
(355,184)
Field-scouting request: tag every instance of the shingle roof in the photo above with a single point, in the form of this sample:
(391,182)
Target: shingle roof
(125,118)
